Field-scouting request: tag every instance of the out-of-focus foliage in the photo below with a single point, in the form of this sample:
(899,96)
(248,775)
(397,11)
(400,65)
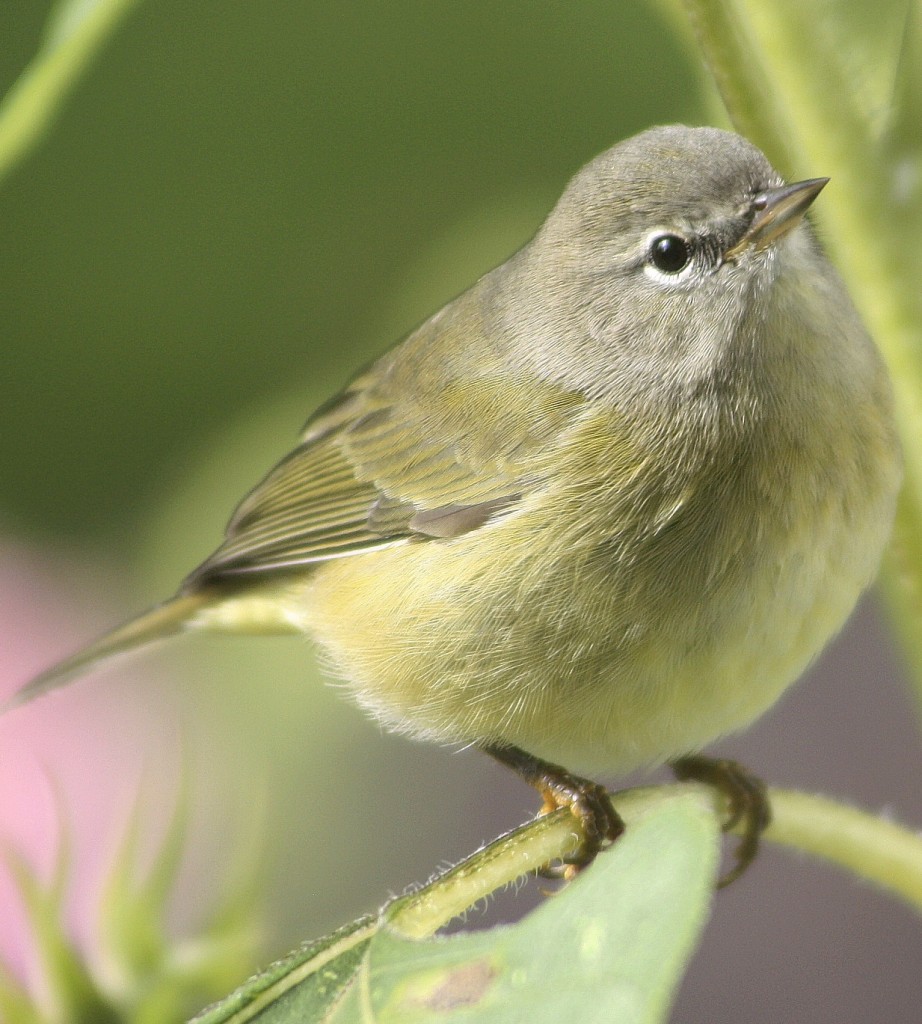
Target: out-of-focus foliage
(74,31)
(139,973)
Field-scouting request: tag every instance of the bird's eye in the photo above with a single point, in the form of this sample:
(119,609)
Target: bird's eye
(669,253)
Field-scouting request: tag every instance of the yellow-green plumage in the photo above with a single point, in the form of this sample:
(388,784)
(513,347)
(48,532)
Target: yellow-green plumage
(595,511)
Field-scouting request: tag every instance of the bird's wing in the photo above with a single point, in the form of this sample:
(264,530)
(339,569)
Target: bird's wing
(374,470)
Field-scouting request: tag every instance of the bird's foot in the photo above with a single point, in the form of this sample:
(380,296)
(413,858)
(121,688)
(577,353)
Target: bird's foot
(588,801)
(747,798)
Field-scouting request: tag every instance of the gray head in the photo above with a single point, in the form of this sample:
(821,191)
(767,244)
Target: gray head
(661,258)
(701,180)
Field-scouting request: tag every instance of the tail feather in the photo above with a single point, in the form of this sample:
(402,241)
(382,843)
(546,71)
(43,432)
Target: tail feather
(164,620)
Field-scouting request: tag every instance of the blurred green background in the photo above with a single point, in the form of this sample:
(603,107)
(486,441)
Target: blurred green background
(237,193)
(239,205)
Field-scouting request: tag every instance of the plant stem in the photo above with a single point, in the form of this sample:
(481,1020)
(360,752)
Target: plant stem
(871,848)
(731,55)
(30,105)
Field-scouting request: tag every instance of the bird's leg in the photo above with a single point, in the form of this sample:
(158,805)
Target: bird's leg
(587,800)
(747,798)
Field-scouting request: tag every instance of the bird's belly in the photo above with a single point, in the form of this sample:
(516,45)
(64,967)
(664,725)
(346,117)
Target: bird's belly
(600,665)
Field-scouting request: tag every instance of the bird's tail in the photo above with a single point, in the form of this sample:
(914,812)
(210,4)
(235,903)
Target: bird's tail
(164,620)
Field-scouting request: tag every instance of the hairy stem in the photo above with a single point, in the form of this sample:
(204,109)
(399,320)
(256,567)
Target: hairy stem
(871,848)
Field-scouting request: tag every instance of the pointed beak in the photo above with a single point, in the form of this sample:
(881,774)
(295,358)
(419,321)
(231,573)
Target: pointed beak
(777,211)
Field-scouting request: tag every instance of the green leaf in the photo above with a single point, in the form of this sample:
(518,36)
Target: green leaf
(74,31)
(303,986)
(610,946)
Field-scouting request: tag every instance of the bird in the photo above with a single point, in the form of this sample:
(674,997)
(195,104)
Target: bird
(600,509)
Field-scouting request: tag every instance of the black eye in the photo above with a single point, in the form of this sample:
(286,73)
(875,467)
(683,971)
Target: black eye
(669,253)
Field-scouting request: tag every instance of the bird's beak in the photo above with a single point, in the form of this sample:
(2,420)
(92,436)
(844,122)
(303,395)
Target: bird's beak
(777,211)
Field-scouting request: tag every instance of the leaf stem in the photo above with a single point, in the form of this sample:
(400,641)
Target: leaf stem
(870,847)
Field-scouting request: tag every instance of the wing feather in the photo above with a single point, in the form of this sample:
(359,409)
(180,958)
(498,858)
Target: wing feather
(408,450)
(348,491)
